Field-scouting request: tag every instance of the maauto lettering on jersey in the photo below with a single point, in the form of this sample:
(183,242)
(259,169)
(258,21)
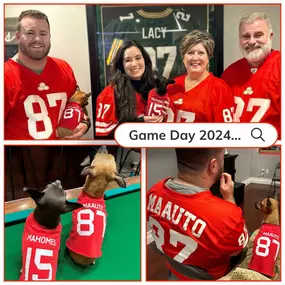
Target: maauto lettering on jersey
(174,213)
(93,205)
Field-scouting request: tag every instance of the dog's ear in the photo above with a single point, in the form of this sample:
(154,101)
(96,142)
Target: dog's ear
(120,180)
(88,94)
(70,206)
(268,204)
(34,194)
(86,171)
(102,149)
(277,197)
(170,81)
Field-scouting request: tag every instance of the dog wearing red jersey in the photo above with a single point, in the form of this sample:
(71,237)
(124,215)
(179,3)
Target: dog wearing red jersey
(261,258)
(88,225)
(73,114)
(41,236)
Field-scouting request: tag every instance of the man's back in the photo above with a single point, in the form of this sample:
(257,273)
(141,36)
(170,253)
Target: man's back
(196,229)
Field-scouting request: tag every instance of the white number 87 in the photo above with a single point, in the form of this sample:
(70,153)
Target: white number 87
(89,221)
(190,245)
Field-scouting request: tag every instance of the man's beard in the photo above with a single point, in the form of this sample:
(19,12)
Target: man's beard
(257,54)
(34,55)
(219,174)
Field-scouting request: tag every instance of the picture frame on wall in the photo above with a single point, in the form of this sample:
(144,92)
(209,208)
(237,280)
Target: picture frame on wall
(270,150)
(11,45)
(159,28)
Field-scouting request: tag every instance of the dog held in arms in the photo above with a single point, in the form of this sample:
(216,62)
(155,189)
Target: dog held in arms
(41,236)
(261,257)
(73,113)
(88,225)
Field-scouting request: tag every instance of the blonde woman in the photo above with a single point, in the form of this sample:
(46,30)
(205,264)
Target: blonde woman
(199,96)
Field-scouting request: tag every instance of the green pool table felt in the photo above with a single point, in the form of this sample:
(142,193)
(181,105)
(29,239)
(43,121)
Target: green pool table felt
(121,247)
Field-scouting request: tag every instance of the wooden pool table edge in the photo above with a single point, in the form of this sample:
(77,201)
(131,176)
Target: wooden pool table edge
(19,209)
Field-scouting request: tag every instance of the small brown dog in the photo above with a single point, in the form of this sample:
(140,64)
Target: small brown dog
(261,257)
(73,113)
(89,224)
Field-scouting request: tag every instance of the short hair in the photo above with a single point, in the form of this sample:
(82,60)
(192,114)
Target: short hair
(196,37)
(34,14)
(253,16)
(194,159)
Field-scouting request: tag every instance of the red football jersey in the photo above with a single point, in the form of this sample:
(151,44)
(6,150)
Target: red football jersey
(200,229)
(155,103)
(106,120)
(266,249)
(40,247)
(209,101)
(72,116)
(257,91)
(88,227)
(34,102)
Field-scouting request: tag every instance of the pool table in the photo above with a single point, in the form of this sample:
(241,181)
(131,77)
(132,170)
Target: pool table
(121,247)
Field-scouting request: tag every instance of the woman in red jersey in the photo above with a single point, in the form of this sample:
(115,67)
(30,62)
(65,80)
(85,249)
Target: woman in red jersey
(199,96)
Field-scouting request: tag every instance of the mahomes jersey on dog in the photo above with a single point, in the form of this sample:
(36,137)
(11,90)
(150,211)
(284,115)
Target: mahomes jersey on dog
(34,102)
(40,246)
(88,227)
(106,120)
(197,229)
(265,250)
(210,101)
(257,92)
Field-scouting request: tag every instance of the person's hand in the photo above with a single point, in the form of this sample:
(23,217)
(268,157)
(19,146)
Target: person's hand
(79,131)
(164,108)
(227,187)
(153,119)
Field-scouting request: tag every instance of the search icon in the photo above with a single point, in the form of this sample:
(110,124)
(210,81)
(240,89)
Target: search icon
(258,134)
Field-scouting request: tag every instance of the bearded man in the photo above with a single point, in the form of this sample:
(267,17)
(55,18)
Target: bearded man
(37,86)
(255,80)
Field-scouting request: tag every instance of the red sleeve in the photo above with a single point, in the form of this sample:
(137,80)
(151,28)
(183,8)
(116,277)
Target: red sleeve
(66,68)
(106,120)
(234,240)
(222,102)
(8,89)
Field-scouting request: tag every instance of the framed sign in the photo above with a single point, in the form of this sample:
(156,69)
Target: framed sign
(270,150)
(11,45)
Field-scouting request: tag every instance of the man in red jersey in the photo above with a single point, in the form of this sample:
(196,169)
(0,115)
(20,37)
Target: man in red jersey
(188,223)
(255,80)
(37,87)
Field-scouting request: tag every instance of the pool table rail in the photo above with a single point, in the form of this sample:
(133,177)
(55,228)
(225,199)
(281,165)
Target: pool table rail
(133,183)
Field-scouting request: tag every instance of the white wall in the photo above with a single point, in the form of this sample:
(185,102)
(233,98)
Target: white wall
(249,163)
(69,40)
(162,163)
(232,15)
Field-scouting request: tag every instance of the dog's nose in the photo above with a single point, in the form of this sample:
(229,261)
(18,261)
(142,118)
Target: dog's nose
(102,149)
